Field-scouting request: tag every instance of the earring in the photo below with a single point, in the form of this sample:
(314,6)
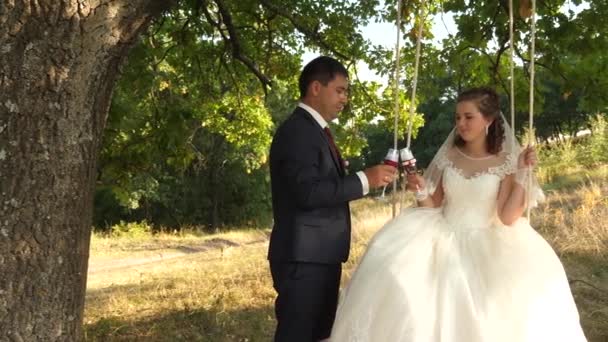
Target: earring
(487,129)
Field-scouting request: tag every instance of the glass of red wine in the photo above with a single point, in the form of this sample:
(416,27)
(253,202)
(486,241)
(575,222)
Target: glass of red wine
(392,159)
(408,162)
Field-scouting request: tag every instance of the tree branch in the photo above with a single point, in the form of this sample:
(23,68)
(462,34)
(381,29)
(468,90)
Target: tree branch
(235,43)
(536,62)
(313,34)
(364,91)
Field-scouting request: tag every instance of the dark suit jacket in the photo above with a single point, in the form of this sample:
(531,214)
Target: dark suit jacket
(310,195)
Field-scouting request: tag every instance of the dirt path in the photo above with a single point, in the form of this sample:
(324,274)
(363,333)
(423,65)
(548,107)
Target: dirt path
(108,265)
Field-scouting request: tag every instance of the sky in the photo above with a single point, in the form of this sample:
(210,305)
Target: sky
(385,34)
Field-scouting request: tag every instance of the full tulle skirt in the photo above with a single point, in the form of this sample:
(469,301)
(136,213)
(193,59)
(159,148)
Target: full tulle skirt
(423,279)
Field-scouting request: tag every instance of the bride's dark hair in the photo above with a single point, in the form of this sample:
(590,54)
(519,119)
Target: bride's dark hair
(488,103)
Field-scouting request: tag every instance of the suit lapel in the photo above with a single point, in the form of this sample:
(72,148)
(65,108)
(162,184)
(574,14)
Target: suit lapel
(334,156)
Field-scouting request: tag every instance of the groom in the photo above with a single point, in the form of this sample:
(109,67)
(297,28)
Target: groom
(310,194)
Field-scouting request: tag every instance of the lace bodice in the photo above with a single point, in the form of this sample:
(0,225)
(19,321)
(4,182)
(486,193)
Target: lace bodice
(470,202)
(500,165)
(471,186)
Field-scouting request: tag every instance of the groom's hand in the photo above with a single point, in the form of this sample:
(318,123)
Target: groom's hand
(380,175)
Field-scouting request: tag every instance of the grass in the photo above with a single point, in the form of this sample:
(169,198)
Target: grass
(574,221)
(571,177)
(219,295)
(109,247)
(224,292)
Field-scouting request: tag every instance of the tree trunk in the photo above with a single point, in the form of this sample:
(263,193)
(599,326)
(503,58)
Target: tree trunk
(59,61)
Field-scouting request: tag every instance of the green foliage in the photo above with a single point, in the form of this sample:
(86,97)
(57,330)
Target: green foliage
(245,124)
(192,117)
(573,154)
(595,152)
(439,116)
(131,229)
(370,119)
(556,159)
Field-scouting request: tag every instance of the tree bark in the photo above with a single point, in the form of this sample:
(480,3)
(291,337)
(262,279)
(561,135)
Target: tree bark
(59,61)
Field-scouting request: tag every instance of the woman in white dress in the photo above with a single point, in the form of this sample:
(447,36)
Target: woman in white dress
(464,266)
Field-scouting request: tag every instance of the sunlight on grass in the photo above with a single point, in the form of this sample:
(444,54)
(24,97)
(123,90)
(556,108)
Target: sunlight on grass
(105,246)
(223,292)
(219,295)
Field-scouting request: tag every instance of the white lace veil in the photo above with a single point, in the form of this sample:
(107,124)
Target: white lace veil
(502,164)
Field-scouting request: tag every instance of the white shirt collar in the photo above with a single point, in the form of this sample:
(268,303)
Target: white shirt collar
(314,114)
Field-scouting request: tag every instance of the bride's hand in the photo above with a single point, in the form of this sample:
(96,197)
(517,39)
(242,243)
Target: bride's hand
(527,158)
(415,182)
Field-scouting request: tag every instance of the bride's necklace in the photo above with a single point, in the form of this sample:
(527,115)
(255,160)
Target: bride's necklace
(474,158)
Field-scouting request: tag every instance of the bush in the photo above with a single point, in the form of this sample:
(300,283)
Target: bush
(570,156)
(131,229)
(596,151)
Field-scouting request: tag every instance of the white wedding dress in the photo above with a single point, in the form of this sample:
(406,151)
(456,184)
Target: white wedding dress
(457,274)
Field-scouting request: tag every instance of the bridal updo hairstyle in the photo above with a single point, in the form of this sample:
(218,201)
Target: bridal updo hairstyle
(488,103)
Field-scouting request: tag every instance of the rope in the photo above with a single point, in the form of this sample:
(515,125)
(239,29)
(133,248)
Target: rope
(396,85)
(415,80)
(511,65)
(396,75)
(396,92)
(531,112)
(415,77)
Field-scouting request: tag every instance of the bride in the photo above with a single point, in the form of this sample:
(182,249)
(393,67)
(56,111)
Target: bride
(464,266)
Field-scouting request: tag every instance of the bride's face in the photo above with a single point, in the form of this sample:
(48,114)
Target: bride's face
(470,123)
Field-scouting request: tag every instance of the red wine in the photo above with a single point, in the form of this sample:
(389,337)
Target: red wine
(392,158)
(391,163)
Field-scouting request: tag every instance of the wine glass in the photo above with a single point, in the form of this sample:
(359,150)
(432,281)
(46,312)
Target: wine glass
(392,159)
(408,162)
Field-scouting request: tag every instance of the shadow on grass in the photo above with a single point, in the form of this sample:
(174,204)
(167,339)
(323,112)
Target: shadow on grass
(588,280)
(588,276)
(250,324)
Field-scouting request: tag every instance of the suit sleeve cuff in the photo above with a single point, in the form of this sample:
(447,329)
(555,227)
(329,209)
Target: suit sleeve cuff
(364,182)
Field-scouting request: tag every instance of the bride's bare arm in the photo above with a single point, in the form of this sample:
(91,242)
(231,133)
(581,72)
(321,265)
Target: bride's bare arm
(511,201)
(512,194)
(434,200)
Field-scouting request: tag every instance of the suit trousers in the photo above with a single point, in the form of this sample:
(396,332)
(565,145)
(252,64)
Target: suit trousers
(307,300)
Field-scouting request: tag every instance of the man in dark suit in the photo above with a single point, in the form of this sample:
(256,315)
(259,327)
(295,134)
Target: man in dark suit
(310,193)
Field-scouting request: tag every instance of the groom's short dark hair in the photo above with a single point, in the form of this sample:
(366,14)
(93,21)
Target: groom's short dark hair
(322,69)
